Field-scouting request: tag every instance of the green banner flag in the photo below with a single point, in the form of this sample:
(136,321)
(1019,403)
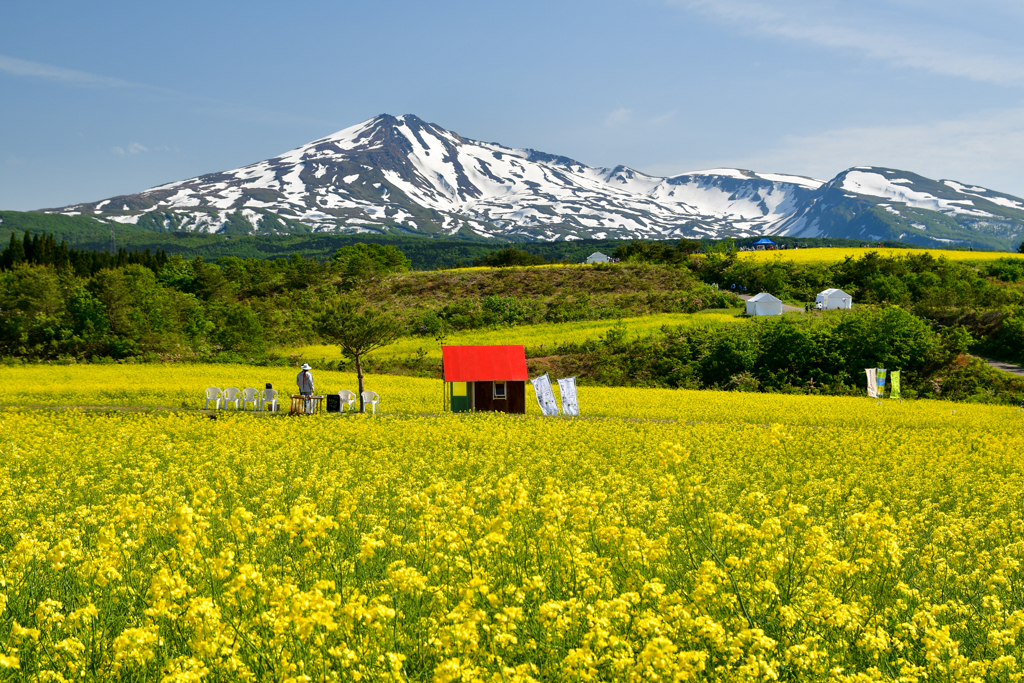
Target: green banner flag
(894,384)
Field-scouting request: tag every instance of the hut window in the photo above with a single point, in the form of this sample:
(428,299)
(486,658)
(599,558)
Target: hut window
(499,390)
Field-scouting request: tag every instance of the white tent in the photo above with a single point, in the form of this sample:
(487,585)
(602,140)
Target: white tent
(834,298)
(764,304)
(597,257)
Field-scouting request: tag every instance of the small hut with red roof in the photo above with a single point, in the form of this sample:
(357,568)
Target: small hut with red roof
(491,378)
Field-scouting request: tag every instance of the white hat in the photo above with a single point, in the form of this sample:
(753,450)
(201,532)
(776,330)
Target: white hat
(305,366)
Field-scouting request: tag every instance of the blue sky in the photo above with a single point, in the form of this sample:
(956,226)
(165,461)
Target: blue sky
(105,98)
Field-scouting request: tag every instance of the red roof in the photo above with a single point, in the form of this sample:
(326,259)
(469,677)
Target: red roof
(484,363)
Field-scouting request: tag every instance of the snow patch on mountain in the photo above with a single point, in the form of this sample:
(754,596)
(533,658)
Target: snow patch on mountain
(963,188)
(985,194)
(877,185)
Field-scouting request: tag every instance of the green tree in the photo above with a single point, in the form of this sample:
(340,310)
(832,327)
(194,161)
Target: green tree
(195,325)
(13,254)
(727,353)
(510,256)
(358,330)
(240,328)
(210,284)
(380,258)
(86,318)
(31,310)
(889,338)
(1008,342)
(798,353)
(361,264)
(178,273)
(302,272)
(250,277)
(143,315)
(656,252)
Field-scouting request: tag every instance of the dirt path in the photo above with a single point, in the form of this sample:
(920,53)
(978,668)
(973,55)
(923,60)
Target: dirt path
(1005,367)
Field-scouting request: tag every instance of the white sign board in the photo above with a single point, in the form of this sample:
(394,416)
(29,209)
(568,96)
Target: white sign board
(545,397)
(567,388)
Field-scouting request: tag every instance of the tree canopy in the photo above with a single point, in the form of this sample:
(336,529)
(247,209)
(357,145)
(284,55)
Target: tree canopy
(358,329)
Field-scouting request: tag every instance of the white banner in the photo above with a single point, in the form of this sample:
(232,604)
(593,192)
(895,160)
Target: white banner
(872,382)
(567,388)
(545,397)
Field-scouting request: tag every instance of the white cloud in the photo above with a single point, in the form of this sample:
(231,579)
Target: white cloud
(905,34)
(22,67)
(663,118)
(619,117)
(625,117)
(139,148)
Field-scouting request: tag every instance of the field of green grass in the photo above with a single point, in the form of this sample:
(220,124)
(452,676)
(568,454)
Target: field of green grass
(533,337)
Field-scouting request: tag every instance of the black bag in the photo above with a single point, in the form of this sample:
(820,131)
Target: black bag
(333,403)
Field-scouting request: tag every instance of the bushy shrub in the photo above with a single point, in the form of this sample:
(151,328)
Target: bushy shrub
(816,354)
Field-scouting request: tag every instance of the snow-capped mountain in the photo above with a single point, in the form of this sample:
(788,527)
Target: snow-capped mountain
(401,174)
(872,203)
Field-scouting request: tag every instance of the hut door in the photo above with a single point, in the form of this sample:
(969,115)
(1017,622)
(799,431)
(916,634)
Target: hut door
(460,397)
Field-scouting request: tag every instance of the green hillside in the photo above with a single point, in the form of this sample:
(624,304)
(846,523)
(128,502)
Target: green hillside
(913,310)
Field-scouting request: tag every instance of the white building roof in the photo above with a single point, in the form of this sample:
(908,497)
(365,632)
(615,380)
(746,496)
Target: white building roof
(765,296)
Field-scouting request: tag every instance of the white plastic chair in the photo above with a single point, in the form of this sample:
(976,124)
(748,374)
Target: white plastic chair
(249,394)
(212,394)
(370,397)
(348,398)
(232,395)
(268,400)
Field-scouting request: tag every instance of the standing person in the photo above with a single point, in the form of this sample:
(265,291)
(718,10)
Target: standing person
(305,381)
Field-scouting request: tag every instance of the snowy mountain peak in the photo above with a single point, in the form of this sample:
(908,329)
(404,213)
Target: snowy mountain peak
(403,174)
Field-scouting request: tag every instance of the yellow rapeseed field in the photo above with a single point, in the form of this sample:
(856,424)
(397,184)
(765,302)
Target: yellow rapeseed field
(826,255)
(835,254)
(181,387)
(172,547)
(733,537)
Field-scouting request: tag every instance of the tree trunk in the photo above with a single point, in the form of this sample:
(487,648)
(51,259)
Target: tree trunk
(359,374)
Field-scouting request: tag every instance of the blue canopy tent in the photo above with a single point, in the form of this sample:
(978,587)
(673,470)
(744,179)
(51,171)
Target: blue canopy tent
(763,243)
